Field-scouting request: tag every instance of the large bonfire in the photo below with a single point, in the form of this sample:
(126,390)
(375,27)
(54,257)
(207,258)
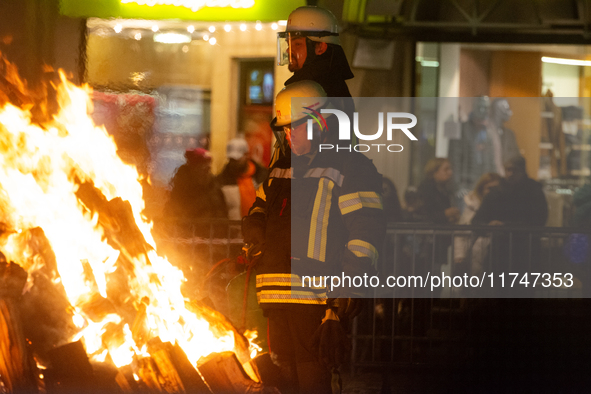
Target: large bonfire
(62,182)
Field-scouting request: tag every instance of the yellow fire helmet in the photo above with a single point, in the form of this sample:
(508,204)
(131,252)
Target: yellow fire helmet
(310,99)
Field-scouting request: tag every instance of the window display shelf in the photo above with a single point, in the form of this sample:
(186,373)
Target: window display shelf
(546,145)
(547,115)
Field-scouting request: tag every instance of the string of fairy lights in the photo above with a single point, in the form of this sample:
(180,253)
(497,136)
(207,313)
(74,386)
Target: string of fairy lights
(165,33)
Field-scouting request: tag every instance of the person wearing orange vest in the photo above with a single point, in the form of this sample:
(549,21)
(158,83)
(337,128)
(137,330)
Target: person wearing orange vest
(240,178)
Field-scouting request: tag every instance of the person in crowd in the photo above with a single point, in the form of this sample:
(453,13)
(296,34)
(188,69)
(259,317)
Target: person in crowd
(472,200)
(582,203)
(203,141)
(391,202)
(463,247)
(195,192)
(519,200)
(316,213)
(412,206)
(195,197)
(577,245)
(435,194)
(436,201)
(240,178)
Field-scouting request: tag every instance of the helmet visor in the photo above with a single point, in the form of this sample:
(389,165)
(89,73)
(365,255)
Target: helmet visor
(284,42)
(282,50)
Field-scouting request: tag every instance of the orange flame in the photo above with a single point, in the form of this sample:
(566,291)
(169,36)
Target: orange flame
(41,169)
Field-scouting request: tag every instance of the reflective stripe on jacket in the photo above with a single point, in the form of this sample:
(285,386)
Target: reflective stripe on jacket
(323,216)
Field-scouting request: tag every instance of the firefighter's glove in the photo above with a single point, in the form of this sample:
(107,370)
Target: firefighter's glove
(250,251)
(346,308)
(330,343)
(253,232)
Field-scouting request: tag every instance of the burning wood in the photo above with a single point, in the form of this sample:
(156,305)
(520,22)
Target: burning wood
(175,370)
(73,220)
(224,374)
(70,370)
(12,279)
(43,304)
(116,219)
(17,368)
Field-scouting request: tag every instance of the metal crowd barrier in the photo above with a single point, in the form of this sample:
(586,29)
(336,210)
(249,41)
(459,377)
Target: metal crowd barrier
(211,238)
(448,328)
(399,329)
(195,246)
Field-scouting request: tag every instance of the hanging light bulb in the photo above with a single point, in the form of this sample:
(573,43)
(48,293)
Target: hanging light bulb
(243,27)
(172,38)
(227,28)
(191,29)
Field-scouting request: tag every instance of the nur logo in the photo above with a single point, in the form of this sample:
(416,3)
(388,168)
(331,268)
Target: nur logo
(318,118)
(344,124)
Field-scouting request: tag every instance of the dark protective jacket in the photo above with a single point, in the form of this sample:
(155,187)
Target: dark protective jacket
(330,70)
(322,215)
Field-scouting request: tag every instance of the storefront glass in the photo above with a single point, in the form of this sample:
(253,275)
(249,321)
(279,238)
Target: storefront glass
(551,129)
(168,86)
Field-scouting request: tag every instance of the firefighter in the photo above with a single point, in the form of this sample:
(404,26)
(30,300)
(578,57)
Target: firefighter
(317,214)
(311,48)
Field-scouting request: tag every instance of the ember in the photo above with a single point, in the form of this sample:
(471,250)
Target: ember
(72,218)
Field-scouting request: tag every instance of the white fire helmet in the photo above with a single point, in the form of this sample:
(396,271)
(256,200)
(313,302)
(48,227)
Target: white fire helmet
(317,24)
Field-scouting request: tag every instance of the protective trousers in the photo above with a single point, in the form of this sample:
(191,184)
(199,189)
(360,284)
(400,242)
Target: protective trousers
(290,333)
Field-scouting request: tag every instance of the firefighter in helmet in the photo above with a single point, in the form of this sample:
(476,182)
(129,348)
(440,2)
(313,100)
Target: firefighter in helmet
(318,214)
(311,48)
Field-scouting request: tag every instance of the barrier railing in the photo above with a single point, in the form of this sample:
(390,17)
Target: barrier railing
(401,326)
(206,234)
(412,326)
